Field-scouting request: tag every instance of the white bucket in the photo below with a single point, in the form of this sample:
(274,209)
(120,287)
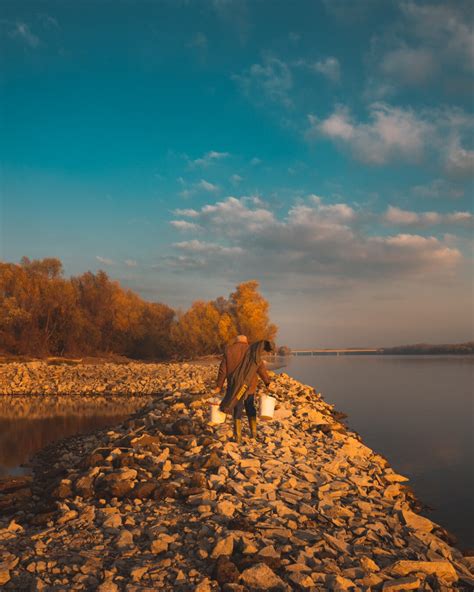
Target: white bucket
(267,406)
(217,416)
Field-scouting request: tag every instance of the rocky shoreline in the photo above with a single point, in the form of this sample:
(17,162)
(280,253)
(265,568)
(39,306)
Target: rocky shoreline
(164,501)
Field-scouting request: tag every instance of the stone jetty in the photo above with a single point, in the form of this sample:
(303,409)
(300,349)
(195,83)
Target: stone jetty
(165,501)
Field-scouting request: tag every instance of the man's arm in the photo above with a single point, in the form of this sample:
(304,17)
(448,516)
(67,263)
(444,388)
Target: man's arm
(262,372)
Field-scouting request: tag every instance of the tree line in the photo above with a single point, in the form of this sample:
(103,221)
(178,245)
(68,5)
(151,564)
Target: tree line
(43,313)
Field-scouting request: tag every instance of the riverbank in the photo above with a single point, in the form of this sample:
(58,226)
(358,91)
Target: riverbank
(165,501)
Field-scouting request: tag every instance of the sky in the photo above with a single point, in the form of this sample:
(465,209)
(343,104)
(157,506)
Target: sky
(324,148)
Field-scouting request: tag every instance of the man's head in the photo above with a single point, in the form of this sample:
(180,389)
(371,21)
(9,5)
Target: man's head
(241,339)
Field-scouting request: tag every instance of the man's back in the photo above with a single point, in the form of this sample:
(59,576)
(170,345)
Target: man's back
(233,356)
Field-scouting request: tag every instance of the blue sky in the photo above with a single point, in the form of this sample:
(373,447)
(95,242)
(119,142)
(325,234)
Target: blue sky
(323,148)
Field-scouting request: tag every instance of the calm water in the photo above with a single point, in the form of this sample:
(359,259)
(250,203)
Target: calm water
(21,438)
(417,411)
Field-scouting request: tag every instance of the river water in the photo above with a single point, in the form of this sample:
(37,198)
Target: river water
(417,411)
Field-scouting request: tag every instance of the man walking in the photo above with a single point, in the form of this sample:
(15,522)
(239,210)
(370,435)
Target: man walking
(232,358)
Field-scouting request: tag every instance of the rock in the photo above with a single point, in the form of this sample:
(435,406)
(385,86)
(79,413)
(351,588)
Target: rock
(204,586)
(84,487)
(159,546)
(368,564)
(63,490)
(15,527)
(225,571)
(261,577)
(225,508)
(224,546)
(409,583)
(442,569)
(113,521)
(108,586)
(144,489)
(416,521)
(339,583)
(124,540)
(115,485)
(301,580)
(4,575)
(183,427)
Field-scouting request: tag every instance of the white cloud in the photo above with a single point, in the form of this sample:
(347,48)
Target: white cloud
(438,188)
(209,158)
(207,186)
(446,26)
(130,262)
(105,260)
(255,161)
(188,212)
(459,162)
(230,215)
(271,80)
(408,66)
(328,67)
(22,31)
(184,225)
(395,133)
(390,133)
(205,248)
(236,179)
(315,237)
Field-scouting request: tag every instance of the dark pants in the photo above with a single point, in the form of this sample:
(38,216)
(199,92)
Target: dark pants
(249,404)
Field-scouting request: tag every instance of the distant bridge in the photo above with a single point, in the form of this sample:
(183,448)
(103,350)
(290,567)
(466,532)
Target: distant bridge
(336,352)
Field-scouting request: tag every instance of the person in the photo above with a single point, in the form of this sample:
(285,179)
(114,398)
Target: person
(235,356)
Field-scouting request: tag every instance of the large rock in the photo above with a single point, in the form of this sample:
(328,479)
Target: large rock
(442,569)
(416,521)
(261,577)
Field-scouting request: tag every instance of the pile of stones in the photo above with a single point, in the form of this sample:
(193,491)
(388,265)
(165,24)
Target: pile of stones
(165,501)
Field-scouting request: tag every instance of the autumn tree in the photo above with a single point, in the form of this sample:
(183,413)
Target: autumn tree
(250,312)
(43,313)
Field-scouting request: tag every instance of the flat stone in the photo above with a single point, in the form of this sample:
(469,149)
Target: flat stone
(204,586)
(261,577)
(409,583)
(368,564)
(108,586)
(159,546)
(416,521)
(225,508)
(301,580)
(4,575)
(124,540)
(442,569)
(224,546)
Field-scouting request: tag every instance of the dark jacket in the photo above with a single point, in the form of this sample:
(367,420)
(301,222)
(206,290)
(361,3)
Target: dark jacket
(233,356)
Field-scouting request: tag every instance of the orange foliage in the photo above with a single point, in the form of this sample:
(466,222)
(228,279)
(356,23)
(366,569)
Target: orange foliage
(42,313)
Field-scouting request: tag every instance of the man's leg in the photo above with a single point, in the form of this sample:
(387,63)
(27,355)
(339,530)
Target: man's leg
(251,414)
(238,409)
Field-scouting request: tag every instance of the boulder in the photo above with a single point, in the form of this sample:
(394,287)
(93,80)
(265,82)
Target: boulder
(261,577)
(442,569)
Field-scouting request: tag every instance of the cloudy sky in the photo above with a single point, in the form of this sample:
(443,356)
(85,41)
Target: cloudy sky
(323,148)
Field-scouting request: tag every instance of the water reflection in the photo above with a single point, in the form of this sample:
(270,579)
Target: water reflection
(21,438)
(29,423)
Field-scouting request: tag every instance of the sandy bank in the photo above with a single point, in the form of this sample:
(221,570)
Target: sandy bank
(166,502)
